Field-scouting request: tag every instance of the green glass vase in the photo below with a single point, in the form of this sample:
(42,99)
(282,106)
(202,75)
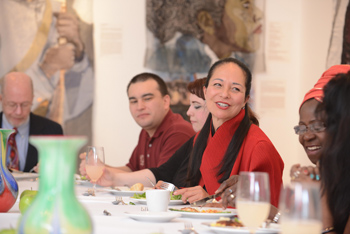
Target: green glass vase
(55,208)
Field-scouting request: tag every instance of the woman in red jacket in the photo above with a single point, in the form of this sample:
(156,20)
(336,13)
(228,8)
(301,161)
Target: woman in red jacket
(228,142)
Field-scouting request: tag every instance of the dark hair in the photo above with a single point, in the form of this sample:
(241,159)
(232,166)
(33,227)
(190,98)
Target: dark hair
(335,159)
(194,175)
(196,87)
(150,76)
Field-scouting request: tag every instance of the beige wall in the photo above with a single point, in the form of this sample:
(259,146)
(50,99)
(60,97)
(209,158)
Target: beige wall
(306,28)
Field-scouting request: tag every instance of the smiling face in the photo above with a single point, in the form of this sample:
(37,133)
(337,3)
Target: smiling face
(197,112)
(225,94)
(147,105)
(312,142)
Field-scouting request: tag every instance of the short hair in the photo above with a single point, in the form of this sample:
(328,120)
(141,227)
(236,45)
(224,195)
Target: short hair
(196,87)
(3,79)
(150,76)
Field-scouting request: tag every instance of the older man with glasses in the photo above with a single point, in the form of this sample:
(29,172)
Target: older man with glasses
(16,98)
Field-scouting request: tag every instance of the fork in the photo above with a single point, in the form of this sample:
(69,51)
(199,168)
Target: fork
(168,186)
(120,199)
(189,228)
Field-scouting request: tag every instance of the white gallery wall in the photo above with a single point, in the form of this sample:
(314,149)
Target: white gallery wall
(297,36)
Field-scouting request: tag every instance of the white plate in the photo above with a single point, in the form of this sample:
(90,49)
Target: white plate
(25,176)
(125,191)
(231,212)
(152,216)
(274,229)
(144,201)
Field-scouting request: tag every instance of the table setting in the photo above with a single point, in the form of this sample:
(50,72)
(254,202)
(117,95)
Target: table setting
(57,199)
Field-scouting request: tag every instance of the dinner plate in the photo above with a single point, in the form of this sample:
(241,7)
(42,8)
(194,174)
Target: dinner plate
(144,201)
(229,213)
(148,216)
(25,176)
(273,229)
(125,191)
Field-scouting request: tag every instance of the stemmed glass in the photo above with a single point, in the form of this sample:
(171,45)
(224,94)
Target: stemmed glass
(300,208)
(95,163)
(253,199)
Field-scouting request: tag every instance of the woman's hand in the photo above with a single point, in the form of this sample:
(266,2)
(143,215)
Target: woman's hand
(192,194)
(157,186)
(228,187)
(305,173)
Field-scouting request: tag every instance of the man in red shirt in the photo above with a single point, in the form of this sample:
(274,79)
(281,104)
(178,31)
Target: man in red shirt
(163,132)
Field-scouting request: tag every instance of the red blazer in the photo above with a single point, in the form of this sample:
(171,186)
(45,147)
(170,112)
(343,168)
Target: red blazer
(256,154)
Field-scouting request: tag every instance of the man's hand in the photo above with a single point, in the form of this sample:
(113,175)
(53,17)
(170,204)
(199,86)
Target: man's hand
(82,169)
(192,194)
(107,178)
(60,57)
(68,27)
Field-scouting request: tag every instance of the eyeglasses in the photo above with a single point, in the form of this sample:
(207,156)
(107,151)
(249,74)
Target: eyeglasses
(314,128)
(13,106)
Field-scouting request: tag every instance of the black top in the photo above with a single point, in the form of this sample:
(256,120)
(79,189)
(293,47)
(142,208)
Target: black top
(175,169)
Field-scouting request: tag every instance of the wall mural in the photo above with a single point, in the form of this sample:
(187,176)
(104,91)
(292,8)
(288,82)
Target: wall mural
(339,49)
(49,41)
(185,37)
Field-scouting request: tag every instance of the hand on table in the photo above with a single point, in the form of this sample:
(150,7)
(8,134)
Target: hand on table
(228,187)
(191,194)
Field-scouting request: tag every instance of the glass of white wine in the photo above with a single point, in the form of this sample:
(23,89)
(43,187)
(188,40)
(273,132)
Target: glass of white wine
(300,208)
(95,163)
(253,199)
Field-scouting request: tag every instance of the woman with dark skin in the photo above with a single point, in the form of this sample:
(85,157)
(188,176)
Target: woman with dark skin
(335,160)
(311,131)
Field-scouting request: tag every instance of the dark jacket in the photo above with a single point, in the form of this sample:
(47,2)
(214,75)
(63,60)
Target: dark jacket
(38,126)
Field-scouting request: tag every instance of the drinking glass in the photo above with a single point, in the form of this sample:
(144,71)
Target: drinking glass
(300,208)
(253,199)
(95,163)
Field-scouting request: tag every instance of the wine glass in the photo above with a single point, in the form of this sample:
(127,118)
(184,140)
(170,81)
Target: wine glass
(300,208)
(253,199)
(95,163)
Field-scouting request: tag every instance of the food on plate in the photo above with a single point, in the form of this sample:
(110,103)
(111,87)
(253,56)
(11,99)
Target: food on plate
(137,187)
(143,196)
(227,222)
(195,210)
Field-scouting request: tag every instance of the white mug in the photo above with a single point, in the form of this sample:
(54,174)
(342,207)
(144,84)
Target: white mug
(157,199)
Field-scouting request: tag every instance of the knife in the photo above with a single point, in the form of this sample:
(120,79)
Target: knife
(206,200)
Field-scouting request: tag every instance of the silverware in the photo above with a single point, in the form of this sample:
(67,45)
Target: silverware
(150,181)
(168,186)
(206,200)
(188,229)
(105,212)
(120,199)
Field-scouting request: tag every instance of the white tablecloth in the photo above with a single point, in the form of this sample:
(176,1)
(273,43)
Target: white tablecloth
(118,222)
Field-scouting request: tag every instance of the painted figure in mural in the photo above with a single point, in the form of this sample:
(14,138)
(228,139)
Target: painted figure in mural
(186,37)
(191,35)
(345,57)
(29,35)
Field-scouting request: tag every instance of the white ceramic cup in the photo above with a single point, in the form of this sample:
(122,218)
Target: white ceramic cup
(157,199)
